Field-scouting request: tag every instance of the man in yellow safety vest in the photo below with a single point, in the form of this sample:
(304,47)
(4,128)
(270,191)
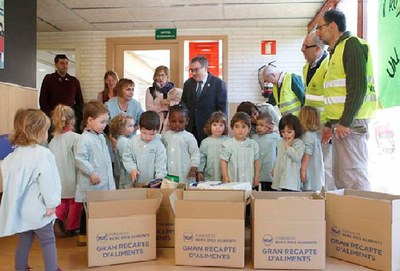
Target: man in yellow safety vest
(349,99)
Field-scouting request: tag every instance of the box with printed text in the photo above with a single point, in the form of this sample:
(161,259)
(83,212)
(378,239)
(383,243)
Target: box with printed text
(364,228)
(121,226)
(288,230)
(209,228)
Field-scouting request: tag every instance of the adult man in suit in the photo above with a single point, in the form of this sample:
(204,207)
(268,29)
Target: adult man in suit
(203,94)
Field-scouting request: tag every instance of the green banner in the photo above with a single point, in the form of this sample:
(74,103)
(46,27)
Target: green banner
(389,53)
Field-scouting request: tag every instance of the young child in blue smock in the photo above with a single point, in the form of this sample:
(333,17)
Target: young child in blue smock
(286,171)
(312,165)
(210,148)
(145,157)
(92,158)
(267,140)
(183,156)
(121,128)
(240,154)
(61,145)
(31,189)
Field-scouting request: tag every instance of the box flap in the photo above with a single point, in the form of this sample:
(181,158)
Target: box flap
(214,195)
(209,209)
(167,192)
(290,206)
(363,205)
(121,208)
(121,194)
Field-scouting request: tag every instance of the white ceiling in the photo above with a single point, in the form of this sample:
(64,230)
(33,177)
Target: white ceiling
(106,15)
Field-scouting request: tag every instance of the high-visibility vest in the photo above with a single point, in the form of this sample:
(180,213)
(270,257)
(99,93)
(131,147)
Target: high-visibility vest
(288,102)
(315,88)
(335,86)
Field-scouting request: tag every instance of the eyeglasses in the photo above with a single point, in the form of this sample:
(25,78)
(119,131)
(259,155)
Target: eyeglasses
(195,70)
(161,75)
(308,46)
(320,26)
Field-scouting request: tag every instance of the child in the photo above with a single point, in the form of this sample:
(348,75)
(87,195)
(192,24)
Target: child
(312,165)
(145,157)
(267,141)
(239,155)
(62,144)
(121,127)
(210,148)
(250,109)
(183,156)
(32,189)
(92,158)
(286,171)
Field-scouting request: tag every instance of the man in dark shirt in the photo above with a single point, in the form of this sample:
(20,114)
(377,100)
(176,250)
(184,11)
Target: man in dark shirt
(61,88)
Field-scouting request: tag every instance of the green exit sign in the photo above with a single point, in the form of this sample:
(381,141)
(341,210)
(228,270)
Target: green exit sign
(166,34)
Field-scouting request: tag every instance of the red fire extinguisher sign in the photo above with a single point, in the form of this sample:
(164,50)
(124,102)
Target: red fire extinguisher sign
(268,47)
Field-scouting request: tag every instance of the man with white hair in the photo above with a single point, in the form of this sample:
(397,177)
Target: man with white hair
(313,75)
(288,89)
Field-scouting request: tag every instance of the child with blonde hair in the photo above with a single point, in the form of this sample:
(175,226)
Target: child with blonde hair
(210,148)
(286,171)
(145,157)
(267,140)
(61,145)
(121,128)
(183,156)
(32,189)
(92,158)
(312,164)
(240,154)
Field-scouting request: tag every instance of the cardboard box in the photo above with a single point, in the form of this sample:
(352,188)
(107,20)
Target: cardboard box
(209,228)
(121,226)
(364,228)
(166,217)
(288,230)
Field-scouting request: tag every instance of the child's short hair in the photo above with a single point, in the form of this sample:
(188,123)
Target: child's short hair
(247,107)
(30,127)
(62,116)
(123,82)
(217,116)
(181,107)
(265,116)
(292,122)
(309,118)
(117,124)
(241,117)
(93,109)
(149,120)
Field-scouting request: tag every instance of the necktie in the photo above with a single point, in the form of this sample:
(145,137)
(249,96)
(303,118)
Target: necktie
(198,90)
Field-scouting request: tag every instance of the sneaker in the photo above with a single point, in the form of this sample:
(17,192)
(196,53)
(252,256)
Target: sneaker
(59,228)
(82,240)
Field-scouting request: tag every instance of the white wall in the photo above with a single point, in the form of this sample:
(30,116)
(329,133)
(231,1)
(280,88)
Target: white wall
(244,55)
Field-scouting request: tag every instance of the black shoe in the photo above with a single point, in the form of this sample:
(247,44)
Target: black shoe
(71,233)
(59,230)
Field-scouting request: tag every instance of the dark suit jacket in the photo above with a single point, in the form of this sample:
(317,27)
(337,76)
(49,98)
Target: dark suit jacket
(212,98)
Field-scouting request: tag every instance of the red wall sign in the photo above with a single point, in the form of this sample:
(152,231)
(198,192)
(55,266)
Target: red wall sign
(268,47)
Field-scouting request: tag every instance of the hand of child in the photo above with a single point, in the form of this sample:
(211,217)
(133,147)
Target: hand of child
(94,179)
(50,211)
(200,177)
(192,173)
(272,173)
(270,128)
(256,182)
(303,175)
(134,175)
(226,179)
(164,102)
(326,135)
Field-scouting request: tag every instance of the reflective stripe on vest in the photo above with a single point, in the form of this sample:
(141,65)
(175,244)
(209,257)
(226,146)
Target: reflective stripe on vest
(315,88)
(335,86)
(288,103)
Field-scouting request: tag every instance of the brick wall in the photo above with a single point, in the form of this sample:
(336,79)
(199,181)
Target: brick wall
(244,55)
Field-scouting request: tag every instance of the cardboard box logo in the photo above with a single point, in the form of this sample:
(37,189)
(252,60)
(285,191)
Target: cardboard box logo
(268,240)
